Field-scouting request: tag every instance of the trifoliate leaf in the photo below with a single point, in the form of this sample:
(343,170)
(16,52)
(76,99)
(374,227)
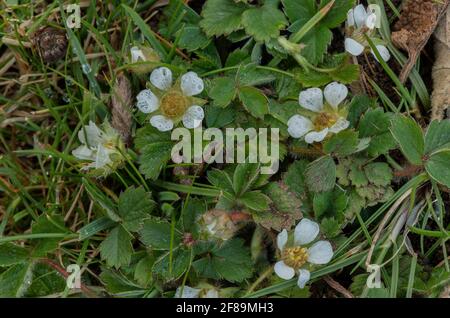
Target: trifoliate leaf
(155,149)
(116,249)
(156,234)
(263,23)
(11,254)
(222,17)
(135,205)
(437,136)
(379,173)
(321,174)
(409,136)
(344,143)
(230,260)
(254,101)
(223,91)
(438,166)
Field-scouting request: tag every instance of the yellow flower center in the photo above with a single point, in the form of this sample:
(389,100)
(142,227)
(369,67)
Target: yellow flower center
(173,104)
(295,257)
(324,120)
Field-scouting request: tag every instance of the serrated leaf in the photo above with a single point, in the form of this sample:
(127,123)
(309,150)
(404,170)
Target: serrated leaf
(438,167)
(143,270)
(155,149)
(223,91)
(437,135)
(321,174)
(221,179)
(156,234)
(410,138)
(344,143)
(299,10)
(255,200)
(192,38)
(375,124)
(135,205)
(254,101)
(263,23)
(230,261)
(116,249)
(330,204)
(222,17)
(316,43)
(47,224)
(245,175)
(46,281)
(330,227)
(217,117)
(337,13)
(379,173)
(180,263)
(346,74)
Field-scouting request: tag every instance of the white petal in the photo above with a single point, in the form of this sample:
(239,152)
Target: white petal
(298,126)
(311,99)
(316,136)
(102,158)
(335,93)
(136,54)
(212,293)
(320,253)
(303,277)
(305,232)
(193,117)
(353,47)
(371,21)
(188,292)
(93,135)
(340,125)
(283,271)
(282,239)
(350,18)
(191,84)
(360,15)
(83,153)
(147,102)
(384,52)
(161,78)
(161,123)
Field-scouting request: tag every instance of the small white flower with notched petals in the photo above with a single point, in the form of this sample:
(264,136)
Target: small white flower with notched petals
(170,104)
(361,23)
(327,117)
(102,147)
(295,257)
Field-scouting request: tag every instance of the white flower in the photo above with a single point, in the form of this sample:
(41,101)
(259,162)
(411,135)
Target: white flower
(295,257)
(170,104)
(100,147)
(362,22)
(327,117)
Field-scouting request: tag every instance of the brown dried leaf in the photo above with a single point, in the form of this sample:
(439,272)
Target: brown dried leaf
(416,24)
(121,102)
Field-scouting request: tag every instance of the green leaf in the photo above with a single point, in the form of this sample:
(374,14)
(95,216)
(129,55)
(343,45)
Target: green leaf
(316,43)
(379,173)
(222,17)
(230,261)
(437,135)
(47,224)
(116,282)
(344,143)
(375,124)
(295,177)
(254,101)
(135,205)
(116,249)
(330,227)
(299,10)
(46,281)
(192,38)
(330,204)
(11,254)
(263,23)
(156,234)
(346,74)
(223,91)
(321,174)
(180,263)
(245,175)
(438,167)
(220,179)
(217,117)
(155,149)
(191,214)
(16,280)
(143,270)
(255,201)
(410,138)
(338,12)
